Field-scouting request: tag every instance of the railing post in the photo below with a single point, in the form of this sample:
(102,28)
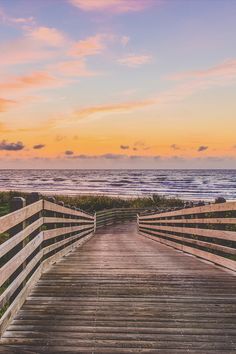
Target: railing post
(68,235)
(95,221)
(33,198)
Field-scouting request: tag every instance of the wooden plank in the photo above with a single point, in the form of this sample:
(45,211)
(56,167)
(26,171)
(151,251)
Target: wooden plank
(63,210)
(173,244)
(220,260)
(55,220)
(229,206)
(48,234)
(123,293)
(20,236)
(65,241)
(5,297)
(11,266)
(220,234)
(220,221)
(10,220)
(18,302)
(212,246)
(44,266)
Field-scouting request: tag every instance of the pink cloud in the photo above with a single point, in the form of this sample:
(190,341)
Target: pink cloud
(134,61)
(89,46)
(227,70)
(34,80)
(73,68)
(23,50)
(115,6)
(48,35)
(37,44)
(112,108)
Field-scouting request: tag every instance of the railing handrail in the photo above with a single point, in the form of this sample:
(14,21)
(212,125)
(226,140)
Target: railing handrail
(38,234)
(221,207)
(205,231)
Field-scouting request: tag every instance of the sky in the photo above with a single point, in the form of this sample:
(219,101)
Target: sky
(117,84)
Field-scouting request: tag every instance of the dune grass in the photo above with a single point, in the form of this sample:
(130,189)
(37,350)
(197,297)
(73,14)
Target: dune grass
(94,203)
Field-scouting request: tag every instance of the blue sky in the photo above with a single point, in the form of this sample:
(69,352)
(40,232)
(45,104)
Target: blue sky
(93,76)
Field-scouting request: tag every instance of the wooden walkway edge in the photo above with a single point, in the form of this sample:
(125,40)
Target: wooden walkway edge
(124,293)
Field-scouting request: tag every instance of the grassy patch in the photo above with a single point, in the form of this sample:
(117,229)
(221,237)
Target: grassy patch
(93,203)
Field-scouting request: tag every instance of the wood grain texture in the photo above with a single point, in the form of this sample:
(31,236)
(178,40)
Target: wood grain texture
(220,234)
(211,208)
(124,293)
(64,210)
(10,220)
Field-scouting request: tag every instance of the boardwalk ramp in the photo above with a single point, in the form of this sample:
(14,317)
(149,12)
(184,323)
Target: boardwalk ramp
(122,292)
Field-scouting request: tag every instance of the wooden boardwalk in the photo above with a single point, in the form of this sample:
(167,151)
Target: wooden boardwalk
(124,293)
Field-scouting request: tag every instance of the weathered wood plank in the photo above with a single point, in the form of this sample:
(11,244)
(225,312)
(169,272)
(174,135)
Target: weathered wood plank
(10,220)
(209,245)
(54,220)
(63,210)
(229,206)
(13,241)
(48,234)
(220,221)
(10,267)
(123,293)
(220,234)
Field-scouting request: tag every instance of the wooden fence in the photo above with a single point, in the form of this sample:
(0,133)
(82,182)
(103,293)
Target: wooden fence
(208,232)
(35,236)
(111,216)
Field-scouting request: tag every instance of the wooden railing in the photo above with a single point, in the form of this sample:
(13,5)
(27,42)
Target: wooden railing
(35,236)
(111,216)
(208,232)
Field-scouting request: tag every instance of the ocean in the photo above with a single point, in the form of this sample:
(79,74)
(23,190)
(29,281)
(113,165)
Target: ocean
(185,184)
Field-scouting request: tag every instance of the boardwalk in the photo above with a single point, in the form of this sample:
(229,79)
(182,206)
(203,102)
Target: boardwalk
(124,293)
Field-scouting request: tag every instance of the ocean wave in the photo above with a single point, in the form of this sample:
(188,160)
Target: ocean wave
(197,184)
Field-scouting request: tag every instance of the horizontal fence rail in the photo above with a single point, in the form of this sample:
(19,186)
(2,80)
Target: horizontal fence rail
(35,236)
(208,232)
(111,216)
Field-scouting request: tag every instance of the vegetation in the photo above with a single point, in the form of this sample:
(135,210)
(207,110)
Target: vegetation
(92,203)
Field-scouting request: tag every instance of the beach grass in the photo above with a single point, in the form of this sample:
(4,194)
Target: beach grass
(95,203)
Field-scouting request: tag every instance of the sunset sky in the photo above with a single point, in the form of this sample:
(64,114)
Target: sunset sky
(118,84)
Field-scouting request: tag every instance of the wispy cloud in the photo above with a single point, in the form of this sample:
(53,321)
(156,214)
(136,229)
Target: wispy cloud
(4,145)
(5,104)
(74,68)
(90,46)
(111,108)
(134,61)
(35,79)
(225,70)
(9,20)
(12,52)
(114,6)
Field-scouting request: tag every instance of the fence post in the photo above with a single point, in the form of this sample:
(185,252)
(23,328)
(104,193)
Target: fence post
(33,197)
(95,221)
